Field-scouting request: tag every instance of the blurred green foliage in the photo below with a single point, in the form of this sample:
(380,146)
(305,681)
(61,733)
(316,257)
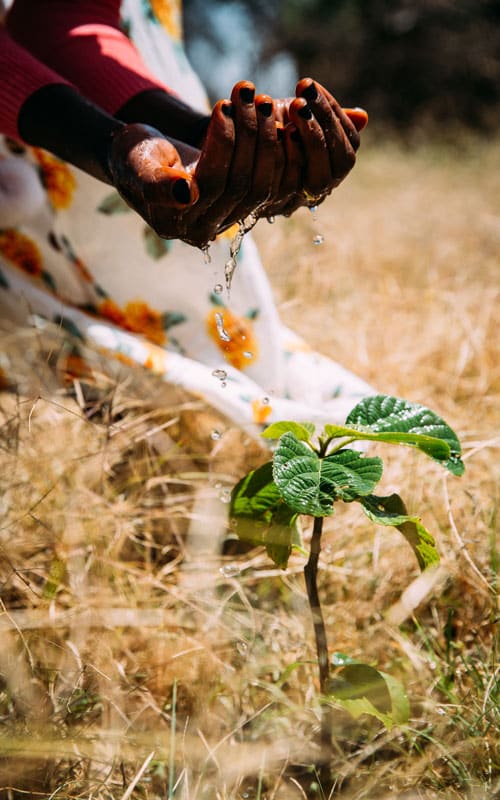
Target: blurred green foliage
(406,61)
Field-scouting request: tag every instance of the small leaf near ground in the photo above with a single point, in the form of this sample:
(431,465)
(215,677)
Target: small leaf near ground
(310,484)
(391,510)
(391,419)
(302,430)
(259,515)
(362,689)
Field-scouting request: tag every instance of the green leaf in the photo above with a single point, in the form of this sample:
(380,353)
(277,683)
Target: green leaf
(391,510)
(390,419)
(311,484)
(362,689)
(113,204)
(259,515)
(302,430)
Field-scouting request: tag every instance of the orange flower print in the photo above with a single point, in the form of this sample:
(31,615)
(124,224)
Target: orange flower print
(233,335)
(260,411)
(57,178)
(111,311)
(21,251)
(140,318)
(168,14)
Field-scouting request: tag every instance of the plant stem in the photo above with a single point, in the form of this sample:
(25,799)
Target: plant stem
(310,574)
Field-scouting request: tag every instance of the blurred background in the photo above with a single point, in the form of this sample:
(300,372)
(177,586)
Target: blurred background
(408,62)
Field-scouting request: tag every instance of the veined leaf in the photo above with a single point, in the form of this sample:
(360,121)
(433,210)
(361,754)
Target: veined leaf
(390,419)
(259,515)
(362,689)
(391,510)
(302,430)
(310,484)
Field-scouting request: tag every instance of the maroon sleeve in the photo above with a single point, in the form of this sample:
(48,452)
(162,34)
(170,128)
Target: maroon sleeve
(20,75)
(83,42)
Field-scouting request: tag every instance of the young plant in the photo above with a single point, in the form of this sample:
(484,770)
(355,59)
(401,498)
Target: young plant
(307,476)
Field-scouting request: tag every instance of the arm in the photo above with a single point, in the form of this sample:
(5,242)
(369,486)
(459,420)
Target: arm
(83,42)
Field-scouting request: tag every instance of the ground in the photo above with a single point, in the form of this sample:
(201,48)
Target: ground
(138,662)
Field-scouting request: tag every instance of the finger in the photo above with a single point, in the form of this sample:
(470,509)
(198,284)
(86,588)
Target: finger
(266,154)
(341,136)
(246,126)
(358,117)
(290,189)
(212,170)
(318,96)
(318,176)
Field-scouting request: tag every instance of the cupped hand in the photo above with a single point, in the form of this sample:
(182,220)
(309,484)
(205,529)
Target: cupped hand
(321,141)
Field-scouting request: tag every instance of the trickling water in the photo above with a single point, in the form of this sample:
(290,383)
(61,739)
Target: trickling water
(207,258)
(218,288)
(245,226)
(216,435)
(219,322)
(221,374)
(271,220)
(247,354)
(318,239)
(314,212)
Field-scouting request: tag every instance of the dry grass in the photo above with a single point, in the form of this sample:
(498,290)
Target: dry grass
(136,661)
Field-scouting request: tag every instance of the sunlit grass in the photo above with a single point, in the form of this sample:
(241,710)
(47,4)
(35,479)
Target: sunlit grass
(112,586)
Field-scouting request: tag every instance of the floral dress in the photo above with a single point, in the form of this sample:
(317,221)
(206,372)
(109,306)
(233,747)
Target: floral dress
(75,254)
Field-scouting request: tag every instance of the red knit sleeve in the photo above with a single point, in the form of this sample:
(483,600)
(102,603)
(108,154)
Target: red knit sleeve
(82,41)
(20,75)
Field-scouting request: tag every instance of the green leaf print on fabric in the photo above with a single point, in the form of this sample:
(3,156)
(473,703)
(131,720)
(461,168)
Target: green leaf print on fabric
(156,247)
(113,204)
(171,318)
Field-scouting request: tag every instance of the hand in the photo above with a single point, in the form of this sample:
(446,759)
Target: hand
(321,140)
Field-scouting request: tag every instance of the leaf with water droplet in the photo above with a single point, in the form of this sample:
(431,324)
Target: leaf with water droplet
(311,484)
(389,419)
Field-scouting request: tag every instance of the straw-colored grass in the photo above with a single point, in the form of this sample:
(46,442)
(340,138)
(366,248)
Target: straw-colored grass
(136,661)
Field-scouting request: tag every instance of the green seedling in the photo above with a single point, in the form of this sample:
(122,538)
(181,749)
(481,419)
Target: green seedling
(307,475)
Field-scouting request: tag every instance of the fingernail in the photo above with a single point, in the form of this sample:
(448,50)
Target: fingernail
(305,112)
(266,109)
(181,191)
(310,93)
(227,110)
(247,95)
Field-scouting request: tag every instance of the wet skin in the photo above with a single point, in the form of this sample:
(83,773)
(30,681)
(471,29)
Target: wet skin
(258,155)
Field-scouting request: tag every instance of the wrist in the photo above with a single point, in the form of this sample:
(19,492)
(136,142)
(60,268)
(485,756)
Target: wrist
(168,114)
(59,119)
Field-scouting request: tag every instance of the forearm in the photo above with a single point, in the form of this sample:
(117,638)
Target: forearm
(59,119)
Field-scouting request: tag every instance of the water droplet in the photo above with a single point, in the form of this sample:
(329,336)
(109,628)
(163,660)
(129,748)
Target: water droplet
(219,322)
(265,401)
(207,258)
(230,570)
(314,212)
(247,354)
(218,288)
(235,247)
(221,374)
(215,435)
(271,220)
(242,648)
(318,239)
(225,495)
(223,384)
